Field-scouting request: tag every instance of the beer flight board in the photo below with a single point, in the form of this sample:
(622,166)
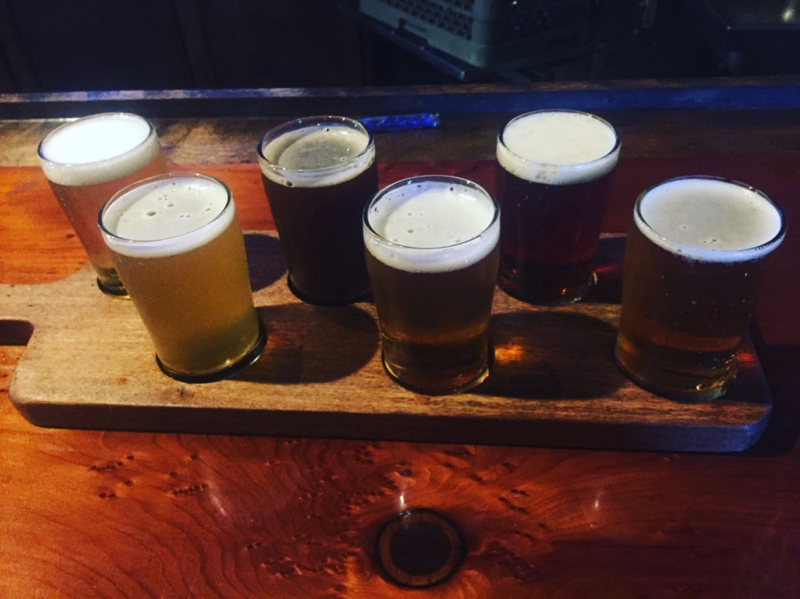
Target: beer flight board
(89,364)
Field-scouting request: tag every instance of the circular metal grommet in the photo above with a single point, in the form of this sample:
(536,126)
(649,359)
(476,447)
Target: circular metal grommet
(419,548)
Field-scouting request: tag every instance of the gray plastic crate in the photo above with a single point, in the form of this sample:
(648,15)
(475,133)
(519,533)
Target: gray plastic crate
(494,33)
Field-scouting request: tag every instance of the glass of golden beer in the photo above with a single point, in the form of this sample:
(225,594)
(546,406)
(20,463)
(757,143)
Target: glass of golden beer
(318,174)
(432,254)
(554,174)
(694,259)
(88,160)
(177,245)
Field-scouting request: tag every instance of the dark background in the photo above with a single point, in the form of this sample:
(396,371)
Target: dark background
(84,45)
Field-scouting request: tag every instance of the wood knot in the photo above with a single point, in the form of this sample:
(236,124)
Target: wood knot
(189,491)
(514,508)
(110,467)
(458,452)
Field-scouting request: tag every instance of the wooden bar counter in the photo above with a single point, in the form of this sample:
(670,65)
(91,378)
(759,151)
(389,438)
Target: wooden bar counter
(117,514)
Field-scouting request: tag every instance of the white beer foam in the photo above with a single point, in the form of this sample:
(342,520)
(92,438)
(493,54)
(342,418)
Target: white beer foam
(317,156)
(709,220)
(559,147)
(97,149)
(432,226)
(167,216)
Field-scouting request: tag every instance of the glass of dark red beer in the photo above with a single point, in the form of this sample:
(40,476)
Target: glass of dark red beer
(554,174)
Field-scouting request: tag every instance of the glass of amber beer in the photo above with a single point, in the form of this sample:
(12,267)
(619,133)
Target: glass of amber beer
(554,172)
(694,260)
(318,174)
(177,245)
(87,161)
(432,254)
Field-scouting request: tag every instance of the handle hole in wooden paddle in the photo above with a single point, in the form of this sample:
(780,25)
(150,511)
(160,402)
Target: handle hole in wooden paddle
(419,548)
(15,332)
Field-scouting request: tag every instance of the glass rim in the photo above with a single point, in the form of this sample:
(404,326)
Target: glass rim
(412,180)
(162,177)
(765,248)
(295,124)
(522,160)
(151,132)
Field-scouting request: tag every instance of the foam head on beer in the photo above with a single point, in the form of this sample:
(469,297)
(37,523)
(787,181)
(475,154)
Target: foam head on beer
(97,149)
(709,219)
(322,154)
(457,220)
(170,215)
(558,147)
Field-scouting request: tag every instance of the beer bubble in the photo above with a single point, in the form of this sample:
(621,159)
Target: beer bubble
(98,149)
(315,154)
(433,214)
(719,218)
(142,215)
(558,147)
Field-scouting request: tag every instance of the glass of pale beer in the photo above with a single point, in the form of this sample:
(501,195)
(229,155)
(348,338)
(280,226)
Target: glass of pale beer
(432,253)
(694,260)
(318,174)
(554,175)
(88,160)
(177,245)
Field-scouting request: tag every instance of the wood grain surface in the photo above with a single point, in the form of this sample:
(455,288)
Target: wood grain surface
(124,514)
(90,364)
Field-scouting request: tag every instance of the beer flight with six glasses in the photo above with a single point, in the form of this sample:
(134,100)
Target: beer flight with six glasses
(429,248)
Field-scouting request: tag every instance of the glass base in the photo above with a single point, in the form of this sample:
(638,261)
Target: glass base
(446,385)
(227,372)
(673,383)
(314,302)
(538,294)
(117,291)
